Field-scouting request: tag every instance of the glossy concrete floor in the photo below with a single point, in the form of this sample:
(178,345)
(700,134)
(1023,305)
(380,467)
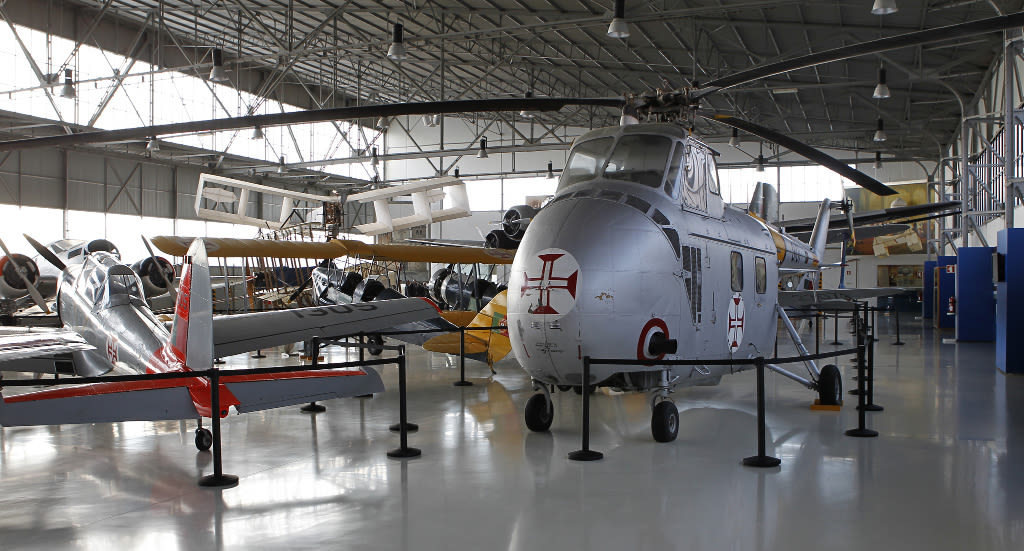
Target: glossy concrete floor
(946,472)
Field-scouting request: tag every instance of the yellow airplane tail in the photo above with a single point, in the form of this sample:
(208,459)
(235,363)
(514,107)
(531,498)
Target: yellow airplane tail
(490,346)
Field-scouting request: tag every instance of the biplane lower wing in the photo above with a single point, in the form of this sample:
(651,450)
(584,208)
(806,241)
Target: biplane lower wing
(36,351)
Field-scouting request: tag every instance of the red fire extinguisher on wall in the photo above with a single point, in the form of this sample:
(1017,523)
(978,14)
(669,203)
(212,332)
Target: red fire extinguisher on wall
(951,307)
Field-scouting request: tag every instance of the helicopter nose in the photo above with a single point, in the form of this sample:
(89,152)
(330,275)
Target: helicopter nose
(592,277)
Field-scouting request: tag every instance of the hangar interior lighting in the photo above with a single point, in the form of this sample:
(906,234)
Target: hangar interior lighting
(880,135)
(397,50)
(735,139)
(68,90)
(882,89)
(217,74)
(884,7)
(619,28)
(482,154)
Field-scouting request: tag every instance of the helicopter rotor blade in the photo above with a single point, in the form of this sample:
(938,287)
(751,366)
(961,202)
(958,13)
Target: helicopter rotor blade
(314,115)
(800,148)
(916,38)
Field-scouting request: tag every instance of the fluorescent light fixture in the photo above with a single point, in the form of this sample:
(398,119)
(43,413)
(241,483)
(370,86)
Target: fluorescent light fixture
(784,91)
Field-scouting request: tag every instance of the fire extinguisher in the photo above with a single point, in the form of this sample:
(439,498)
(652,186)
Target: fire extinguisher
(951,308)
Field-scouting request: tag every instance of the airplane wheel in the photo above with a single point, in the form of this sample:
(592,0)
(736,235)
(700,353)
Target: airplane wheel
(578,389)
(204,439)
(565,388)
(376,345)
(665,421)
(830,386)
(538,413)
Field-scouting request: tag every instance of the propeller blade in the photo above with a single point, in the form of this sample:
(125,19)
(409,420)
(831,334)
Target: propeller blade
(32,291)
(156,263)
(916,38)
(45,253)
(314,115)
(800,148)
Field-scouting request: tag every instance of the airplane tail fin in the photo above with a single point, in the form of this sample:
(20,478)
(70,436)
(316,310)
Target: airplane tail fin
(490,346)
(819,235)
(191,340)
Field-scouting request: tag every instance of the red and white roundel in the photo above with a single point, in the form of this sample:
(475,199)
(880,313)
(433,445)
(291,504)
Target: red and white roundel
(654,325)
(736,316)
(112,349)
(547,284)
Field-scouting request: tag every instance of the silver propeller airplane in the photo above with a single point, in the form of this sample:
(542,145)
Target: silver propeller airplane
(108,328)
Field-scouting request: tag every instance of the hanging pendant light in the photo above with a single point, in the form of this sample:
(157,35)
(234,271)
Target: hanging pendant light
(217,74)
(881,89)
(482,154)
(68,90)
(396,52)
(880,135)
(884,7)
(735,139)
(619,28)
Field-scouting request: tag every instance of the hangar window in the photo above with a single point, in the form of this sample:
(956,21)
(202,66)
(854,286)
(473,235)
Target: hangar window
(584,161)
(760,275)
(737,271)
(639,158)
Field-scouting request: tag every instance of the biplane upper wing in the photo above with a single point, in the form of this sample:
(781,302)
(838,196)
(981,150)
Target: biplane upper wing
(266,248)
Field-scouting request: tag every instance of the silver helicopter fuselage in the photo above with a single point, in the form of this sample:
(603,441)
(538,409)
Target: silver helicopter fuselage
(637,241)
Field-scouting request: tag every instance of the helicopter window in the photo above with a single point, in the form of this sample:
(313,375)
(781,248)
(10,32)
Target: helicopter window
(737,271)
(671,179)
(584,161)
(639,158)
(760,275)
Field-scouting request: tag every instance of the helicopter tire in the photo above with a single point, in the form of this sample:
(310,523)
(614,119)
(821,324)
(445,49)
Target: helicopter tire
(204,439)
(539,413)
(665,421)
(564,388)
(830,386)
(578,389)
(376,345)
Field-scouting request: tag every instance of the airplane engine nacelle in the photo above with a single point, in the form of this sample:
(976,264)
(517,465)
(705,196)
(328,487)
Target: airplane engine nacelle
(498,239)
(436,285)
(515,220)
(149,272)
(11,284)
(460,290)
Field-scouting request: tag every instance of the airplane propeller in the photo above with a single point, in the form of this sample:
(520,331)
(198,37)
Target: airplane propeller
(156,266)
(667,103)
(32,291)
(45,253)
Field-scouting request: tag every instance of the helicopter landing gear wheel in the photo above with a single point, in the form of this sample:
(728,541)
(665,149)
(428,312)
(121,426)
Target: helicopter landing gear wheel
(665,421)
(564,388)
(830,386)
(539,413)
(204,439)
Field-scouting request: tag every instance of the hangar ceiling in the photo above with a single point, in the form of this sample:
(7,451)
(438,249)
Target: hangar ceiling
(332,53)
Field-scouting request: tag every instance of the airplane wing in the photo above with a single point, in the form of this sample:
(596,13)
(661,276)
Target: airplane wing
(834,297)
(874,216)
(20,349)
(266,248)
(170,399)
(245,332)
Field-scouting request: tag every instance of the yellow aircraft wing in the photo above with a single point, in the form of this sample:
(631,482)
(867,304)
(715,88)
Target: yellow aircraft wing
(267,248)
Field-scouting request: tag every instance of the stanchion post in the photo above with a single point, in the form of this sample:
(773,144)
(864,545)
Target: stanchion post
(404,450)
(817,333)
(871,405)
(861,431)
(874,321)
(761,459)
(314,407)
(835,329)
(362,342)
(586,454)
(218,479)
(899,341)
(462,359)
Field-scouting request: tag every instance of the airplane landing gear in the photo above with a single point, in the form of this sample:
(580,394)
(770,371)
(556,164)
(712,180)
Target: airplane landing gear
(204,439)
(830,386)
(376,345)
(539,411)
(665,421)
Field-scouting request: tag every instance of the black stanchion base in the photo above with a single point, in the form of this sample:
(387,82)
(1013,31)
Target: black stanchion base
(835,343)
(585,455)
(218,361)
(871,407)
(462,383)
(313,408)
(862,433)
(219,481)
(409,427)
(258,355)
(365,396)
(401,453)
(762,461)
(898,343)
(856,392)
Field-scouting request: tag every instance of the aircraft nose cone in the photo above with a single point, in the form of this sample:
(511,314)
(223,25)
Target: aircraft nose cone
(588,271)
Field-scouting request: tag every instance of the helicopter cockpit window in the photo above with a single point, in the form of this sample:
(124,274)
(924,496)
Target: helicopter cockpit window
(672,176)
(639,158)
(585,161)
